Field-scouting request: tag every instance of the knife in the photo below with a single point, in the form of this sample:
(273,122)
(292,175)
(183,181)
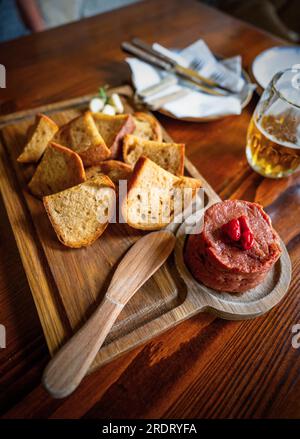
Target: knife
(171,68)
(188,72)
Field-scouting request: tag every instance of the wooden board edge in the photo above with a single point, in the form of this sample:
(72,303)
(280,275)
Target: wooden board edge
(125,90)
(193,171)
(55,336)
(144,333)
(26,240)
(233,306)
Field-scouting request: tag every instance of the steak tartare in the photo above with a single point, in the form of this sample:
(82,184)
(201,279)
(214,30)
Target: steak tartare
(227,264)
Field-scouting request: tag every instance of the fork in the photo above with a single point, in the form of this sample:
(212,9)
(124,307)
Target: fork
(198,63)
(146,53)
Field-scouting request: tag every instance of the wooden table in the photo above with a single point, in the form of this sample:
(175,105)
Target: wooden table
(205,367)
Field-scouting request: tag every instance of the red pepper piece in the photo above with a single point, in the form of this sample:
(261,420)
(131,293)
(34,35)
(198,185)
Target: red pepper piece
(244,223)
(247,240)
(232,229)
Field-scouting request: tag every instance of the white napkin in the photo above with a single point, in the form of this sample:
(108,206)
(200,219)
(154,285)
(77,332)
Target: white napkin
(195,104)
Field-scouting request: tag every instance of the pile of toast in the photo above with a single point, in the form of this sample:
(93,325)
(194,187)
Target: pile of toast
(80,165)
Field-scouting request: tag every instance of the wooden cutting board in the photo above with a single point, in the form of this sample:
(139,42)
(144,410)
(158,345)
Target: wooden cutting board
(67,284)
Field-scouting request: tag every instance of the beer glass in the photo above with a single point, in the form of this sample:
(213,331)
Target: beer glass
(273,138)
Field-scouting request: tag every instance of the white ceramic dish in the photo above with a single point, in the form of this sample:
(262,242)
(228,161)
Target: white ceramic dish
(246,98)
(273,60)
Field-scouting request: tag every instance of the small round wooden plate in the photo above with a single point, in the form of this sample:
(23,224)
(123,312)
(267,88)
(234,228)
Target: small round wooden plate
(250,304)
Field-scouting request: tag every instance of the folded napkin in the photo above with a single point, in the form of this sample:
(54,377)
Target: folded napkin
(195,104)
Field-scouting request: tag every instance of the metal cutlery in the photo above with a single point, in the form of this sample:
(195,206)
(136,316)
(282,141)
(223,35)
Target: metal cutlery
(157,103)
(166,82)
(157,59)
(191,71)
(198,64)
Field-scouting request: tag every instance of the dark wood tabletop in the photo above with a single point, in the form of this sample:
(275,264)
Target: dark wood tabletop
(204,367)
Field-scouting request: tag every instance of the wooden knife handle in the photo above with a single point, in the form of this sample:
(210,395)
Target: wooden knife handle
(186,72)
(68,367)
(148,48)
(149,58)
(166,82)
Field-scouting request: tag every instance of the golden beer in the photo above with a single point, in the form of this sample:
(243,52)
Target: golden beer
(272,145)
(273,138)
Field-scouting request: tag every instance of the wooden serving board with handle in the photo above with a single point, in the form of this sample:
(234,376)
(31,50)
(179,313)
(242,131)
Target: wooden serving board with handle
(68,284)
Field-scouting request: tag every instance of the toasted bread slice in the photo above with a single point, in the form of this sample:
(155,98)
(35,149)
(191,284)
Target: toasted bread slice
(79,215)
(189,182)
(114,169)
(113,129)
(39,135)
(189,187)
(83,137)
(155,196)
(59,169)
(147,127)
(62,136)
(169,156)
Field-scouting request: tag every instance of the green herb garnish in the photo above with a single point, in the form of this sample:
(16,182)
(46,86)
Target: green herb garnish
(102,94)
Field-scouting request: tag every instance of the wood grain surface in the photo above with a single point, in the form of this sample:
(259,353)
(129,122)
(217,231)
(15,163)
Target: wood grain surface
(69,307)
(170,296)
(205,367)
(70,364)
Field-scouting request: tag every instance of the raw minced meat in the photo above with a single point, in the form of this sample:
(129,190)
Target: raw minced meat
(224,265)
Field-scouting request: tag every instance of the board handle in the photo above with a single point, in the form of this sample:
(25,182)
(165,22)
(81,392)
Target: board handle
(68,367)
